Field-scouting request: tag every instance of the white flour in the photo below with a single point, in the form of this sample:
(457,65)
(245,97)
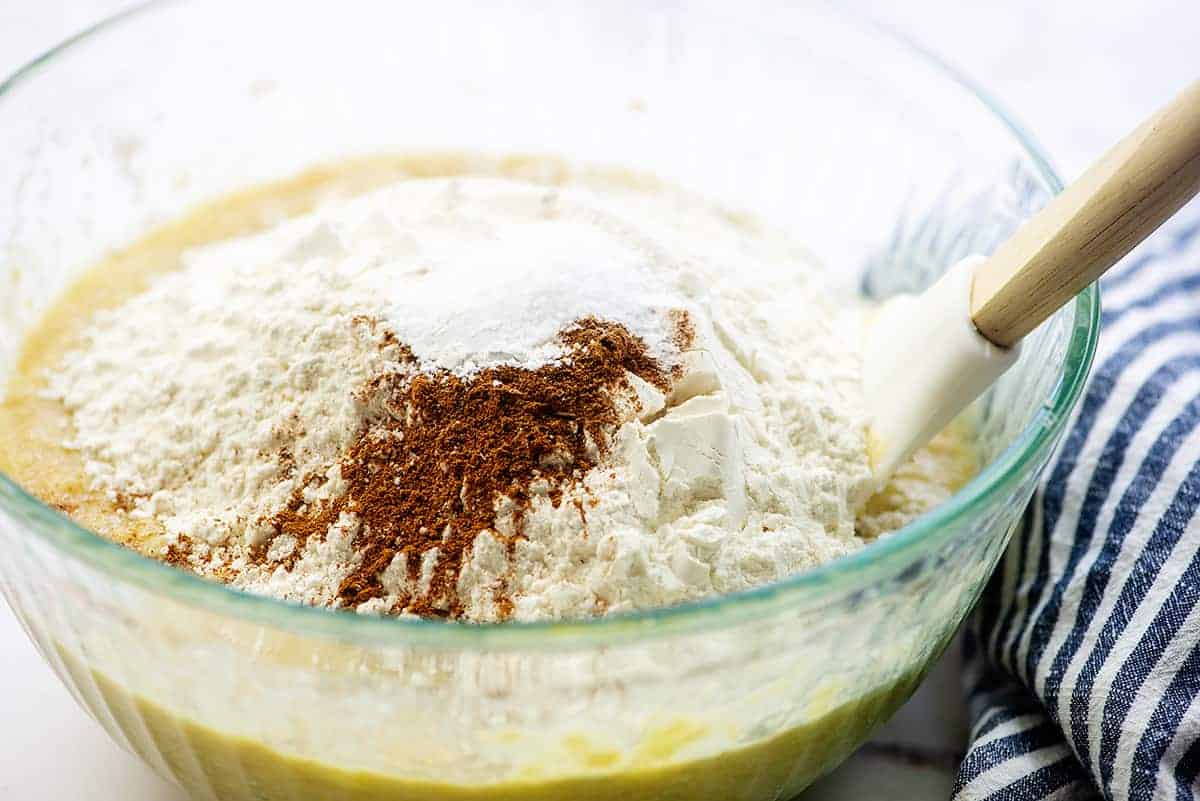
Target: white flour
(751,469)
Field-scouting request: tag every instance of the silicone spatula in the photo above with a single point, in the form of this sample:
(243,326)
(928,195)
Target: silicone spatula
(928,356)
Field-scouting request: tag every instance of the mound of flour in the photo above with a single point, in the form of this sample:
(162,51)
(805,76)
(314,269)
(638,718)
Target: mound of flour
(233,387)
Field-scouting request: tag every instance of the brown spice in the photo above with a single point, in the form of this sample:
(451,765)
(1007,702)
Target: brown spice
(179,552)
(125,501)
(430,473)
(387,338)
(287,462)
(684,334)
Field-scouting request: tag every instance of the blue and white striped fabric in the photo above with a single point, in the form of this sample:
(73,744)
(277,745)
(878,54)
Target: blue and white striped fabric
(1083,658)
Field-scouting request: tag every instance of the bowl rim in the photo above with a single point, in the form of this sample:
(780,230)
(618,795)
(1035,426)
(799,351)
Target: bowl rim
(999,476)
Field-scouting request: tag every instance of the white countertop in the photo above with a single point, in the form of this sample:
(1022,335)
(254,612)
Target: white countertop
(1078,74)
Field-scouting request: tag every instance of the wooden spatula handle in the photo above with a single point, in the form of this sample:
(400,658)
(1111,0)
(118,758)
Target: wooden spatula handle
(1124,196)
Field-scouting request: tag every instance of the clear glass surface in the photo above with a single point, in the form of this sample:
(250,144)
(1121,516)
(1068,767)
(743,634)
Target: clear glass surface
(878,158)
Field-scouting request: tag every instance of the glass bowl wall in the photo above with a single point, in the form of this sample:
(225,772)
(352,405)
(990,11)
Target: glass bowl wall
(878,159)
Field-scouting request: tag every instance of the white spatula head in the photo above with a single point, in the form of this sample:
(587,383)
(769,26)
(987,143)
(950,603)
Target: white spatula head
(925,359)
(923,363)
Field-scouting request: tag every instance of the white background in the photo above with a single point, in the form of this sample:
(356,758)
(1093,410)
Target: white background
(1077,74)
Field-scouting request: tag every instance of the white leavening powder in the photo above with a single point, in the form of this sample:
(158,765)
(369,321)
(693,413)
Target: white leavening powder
(213,398)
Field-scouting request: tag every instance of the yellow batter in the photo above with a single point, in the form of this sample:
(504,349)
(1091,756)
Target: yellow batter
(33,428)
(199,757)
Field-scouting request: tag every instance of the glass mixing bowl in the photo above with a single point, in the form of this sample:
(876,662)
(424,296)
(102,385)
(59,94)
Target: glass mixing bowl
(887,165)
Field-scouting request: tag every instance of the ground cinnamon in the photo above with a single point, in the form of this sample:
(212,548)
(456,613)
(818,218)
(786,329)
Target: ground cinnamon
(429,473)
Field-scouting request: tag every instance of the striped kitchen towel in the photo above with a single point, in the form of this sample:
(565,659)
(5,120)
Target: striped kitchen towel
(1083,658)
